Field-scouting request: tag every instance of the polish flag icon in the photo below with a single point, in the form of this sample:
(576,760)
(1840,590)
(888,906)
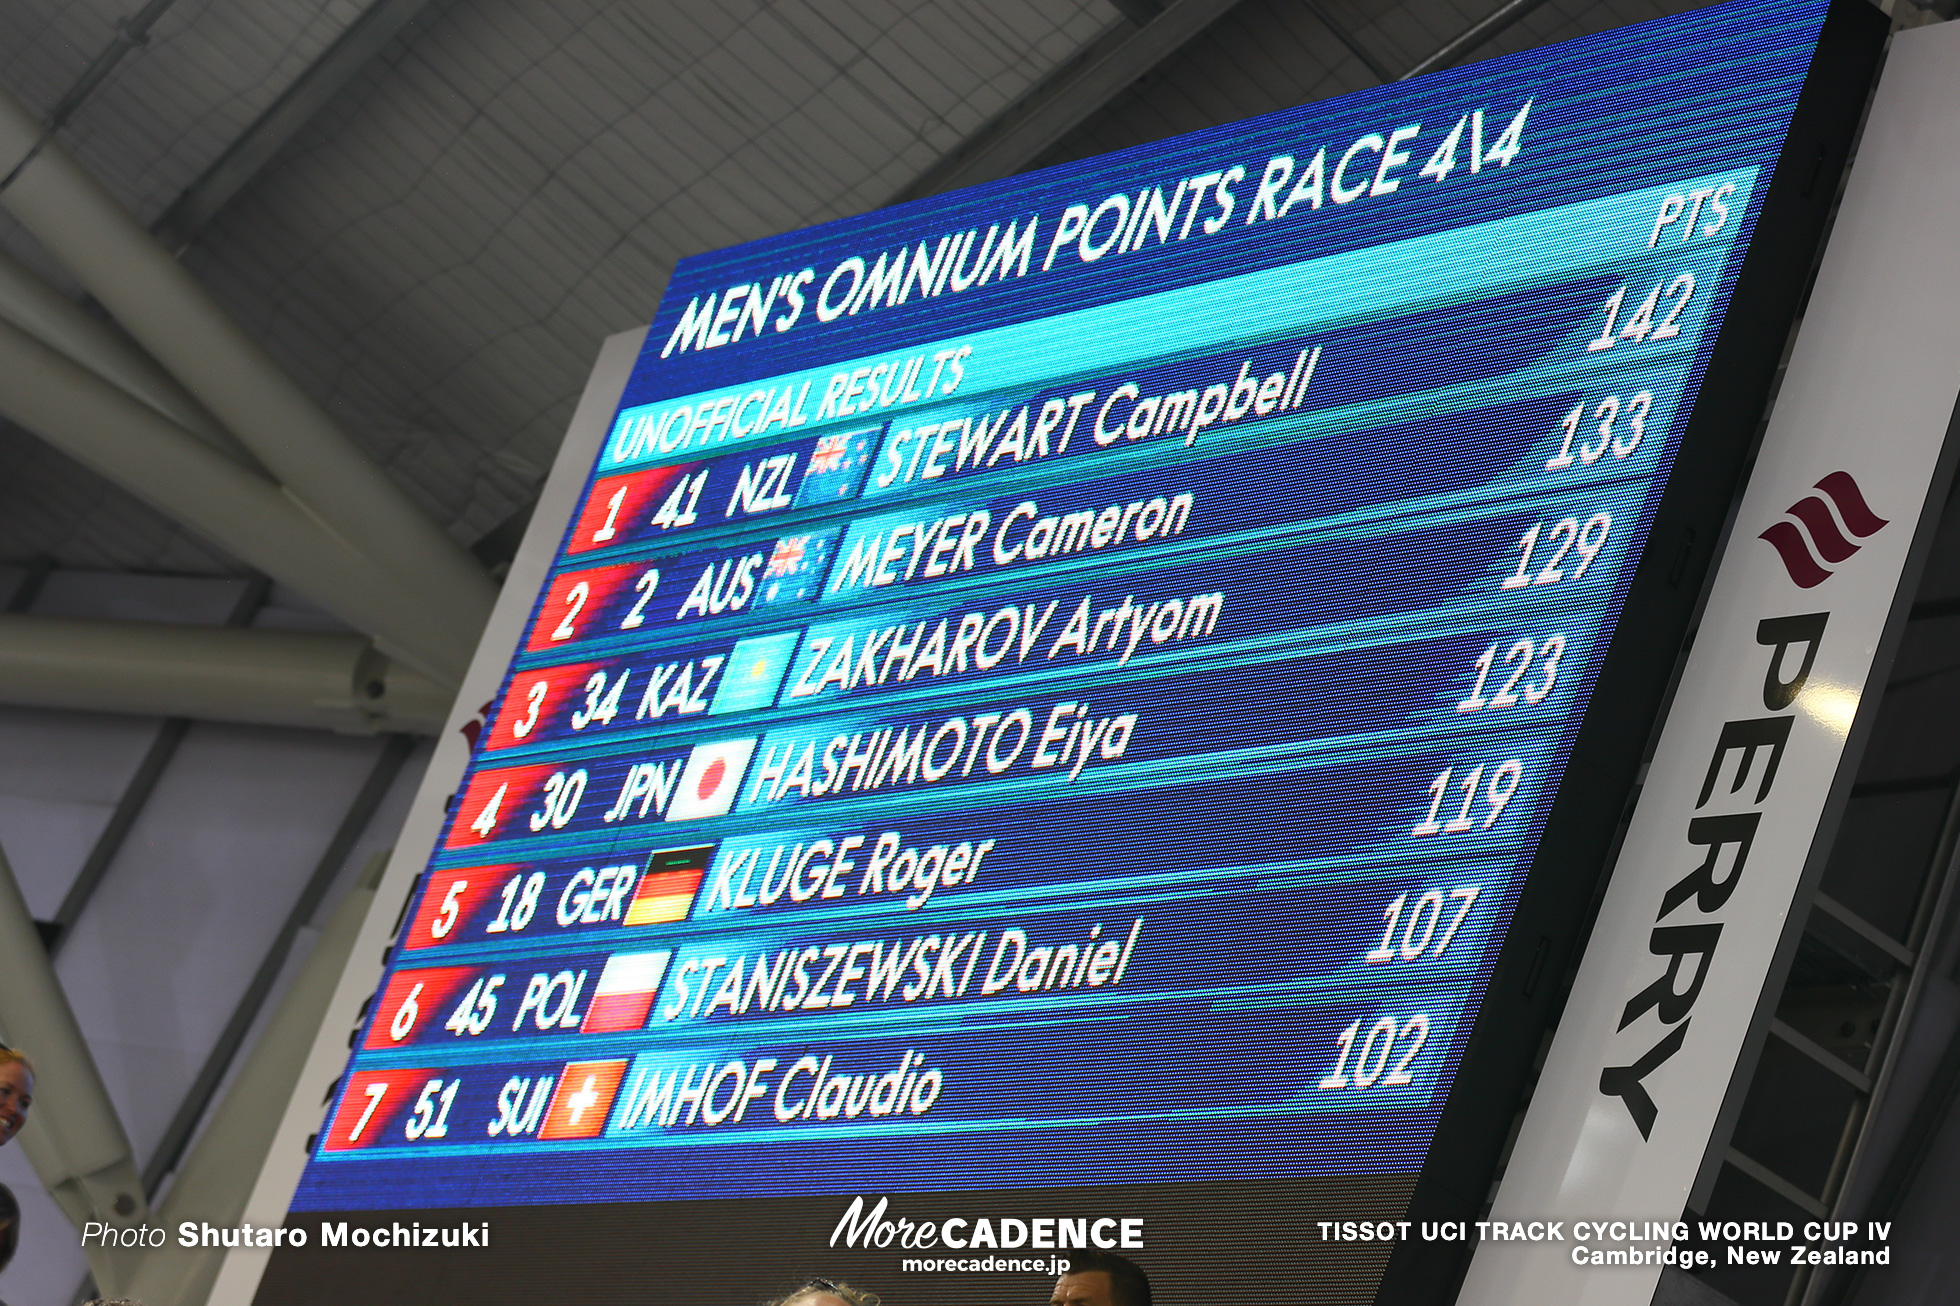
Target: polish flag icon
(711,780)
(582,1100)
(627,988)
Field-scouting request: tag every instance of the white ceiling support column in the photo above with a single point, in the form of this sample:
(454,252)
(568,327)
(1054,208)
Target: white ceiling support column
(156,460)
(56,320)
(182,327)
(215,673)
(74,1139)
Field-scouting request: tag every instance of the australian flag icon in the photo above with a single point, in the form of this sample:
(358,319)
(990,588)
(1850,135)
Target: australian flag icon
(836,466)
(796,568)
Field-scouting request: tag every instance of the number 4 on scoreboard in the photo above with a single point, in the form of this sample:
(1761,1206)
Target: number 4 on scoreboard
(1501,152)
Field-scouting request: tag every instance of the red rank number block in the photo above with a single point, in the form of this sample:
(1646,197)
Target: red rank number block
(370,1105)
(451,904)
(620,508)
(414,1002)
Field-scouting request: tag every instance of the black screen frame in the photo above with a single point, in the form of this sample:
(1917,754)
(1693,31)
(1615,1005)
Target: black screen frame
(1549,929)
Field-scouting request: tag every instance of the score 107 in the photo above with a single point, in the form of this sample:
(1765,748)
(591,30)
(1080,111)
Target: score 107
(1380,1053)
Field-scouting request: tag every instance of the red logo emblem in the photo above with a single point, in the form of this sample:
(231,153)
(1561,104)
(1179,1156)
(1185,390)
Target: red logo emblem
(1815,538)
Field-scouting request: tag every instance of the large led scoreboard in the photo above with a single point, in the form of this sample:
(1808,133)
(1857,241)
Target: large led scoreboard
(1093,706)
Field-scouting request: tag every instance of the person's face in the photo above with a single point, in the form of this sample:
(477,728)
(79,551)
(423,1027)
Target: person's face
(1091,1288)
(16,1092)
(818,1299)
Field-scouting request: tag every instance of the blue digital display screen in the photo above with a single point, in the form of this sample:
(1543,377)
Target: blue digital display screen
(1079,665)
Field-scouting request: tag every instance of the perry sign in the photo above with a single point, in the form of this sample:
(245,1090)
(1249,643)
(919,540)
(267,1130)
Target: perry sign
(1738,801)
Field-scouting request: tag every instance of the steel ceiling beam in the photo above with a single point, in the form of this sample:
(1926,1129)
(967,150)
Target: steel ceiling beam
(184,329)
(1129,49)
(253,519)
(1067,97)
(132,33)
(308,679)
(258,144)
(1473,38)
(1354,47)
(58,321)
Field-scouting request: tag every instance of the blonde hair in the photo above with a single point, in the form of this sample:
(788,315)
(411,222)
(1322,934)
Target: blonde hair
(10,1056)
(832,1287)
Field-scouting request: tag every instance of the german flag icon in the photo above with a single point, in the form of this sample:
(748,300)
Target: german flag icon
(667,888)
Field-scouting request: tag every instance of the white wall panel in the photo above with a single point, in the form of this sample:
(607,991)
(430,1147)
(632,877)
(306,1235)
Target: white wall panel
(378,837)
(210,870)
(61,774)
(158,961)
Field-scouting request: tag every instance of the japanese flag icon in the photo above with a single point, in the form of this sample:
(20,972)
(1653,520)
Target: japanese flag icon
(711,780)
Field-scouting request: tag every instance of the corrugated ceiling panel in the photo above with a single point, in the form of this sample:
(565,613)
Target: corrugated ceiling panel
(1270,54)
(208,69)
(437,256)
(45,46)
(171,107)
(441,252)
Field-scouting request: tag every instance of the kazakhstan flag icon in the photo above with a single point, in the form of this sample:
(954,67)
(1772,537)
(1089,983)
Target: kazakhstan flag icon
(755,672)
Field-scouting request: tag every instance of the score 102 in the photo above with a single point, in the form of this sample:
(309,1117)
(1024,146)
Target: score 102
(1385,1057)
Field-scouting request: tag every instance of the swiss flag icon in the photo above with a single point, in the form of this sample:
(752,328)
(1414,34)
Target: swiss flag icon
(583,1099)
(711,779)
